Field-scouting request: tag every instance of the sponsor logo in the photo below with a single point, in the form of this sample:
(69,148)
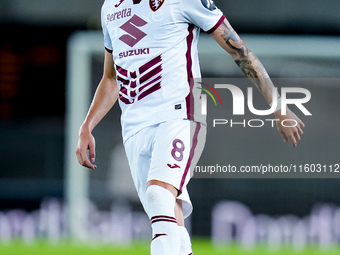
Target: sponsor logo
(178,107)
(137,52)
(209,4)
(134,33)
(156,4)
(120,2)
(174,166)
(118,15)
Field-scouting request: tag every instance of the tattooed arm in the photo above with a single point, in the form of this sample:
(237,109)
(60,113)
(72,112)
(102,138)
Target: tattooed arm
(251,66)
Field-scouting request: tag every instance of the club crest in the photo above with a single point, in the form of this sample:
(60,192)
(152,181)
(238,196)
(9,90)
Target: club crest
(156,4)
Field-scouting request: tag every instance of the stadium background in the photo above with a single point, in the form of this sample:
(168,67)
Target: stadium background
(33,54)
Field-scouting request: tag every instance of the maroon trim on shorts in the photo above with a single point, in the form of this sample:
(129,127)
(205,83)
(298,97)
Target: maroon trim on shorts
(191,156)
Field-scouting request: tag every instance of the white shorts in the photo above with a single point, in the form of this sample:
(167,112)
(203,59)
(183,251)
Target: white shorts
(166,152)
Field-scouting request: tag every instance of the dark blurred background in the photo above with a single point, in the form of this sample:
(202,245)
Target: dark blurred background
(33,50)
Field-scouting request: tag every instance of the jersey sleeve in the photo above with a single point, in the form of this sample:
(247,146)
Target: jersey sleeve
(202,13)
(107,39)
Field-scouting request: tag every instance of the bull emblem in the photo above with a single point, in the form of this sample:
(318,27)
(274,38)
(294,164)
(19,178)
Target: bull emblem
(155,4)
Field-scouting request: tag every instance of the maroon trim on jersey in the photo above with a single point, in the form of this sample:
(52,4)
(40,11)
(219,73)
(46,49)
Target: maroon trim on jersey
(158,78)
(151,74)
(154,88)
(128,82)
(125,100)
(150,64)
(122,80)
(191,155)
(108,50)
(121,70)
(190,97)
(133,75)
(220,21)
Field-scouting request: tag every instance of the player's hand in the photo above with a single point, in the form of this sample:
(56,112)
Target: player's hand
(86,142)
(291,133)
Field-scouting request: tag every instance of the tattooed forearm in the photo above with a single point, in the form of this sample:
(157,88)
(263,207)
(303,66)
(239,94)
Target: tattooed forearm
(234,41)
(247,67)
(247,61)
(253,69)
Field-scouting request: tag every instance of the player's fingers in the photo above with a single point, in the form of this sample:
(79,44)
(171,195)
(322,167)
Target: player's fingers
(92,149)
(83,159)
(297,135)
(293,139)
(301,124)
(285,138)
(79,158)
(79,155)
(300,130)
(87,163)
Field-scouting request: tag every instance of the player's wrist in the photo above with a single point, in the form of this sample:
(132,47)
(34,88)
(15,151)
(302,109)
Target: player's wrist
(89,123)
(278,105)
(84,128)
(278,114)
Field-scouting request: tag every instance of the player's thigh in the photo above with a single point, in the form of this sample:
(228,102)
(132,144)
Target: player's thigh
(175,148)
(138,149)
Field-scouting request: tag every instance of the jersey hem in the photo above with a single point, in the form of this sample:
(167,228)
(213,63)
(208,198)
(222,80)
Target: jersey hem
(126,138)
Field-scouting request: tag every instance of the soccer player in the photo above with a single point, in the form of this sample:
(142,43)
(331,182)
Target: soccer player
(150,62)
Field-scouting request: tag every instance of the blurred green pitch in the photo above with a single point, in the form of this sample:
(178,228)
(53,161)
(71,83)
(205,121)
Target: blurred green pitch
(201,247)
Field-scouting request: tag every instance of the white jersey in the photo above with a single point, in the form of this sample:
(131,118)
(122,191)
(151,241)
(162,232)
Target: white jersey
(154,47)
